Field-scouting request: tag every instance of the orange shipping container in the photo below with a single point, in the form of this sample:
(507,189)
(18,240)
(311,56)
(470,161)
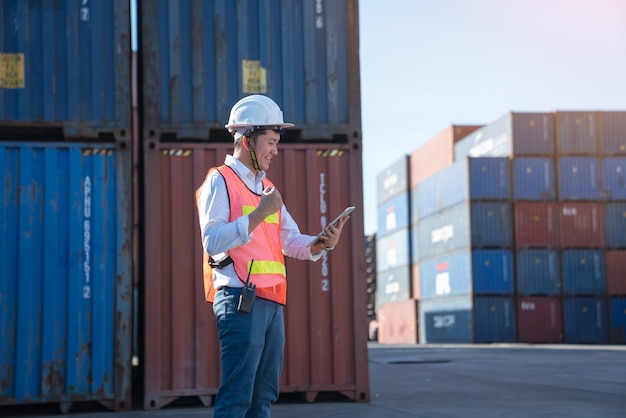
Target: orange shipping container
(398,323)
(326,314)
(437,153)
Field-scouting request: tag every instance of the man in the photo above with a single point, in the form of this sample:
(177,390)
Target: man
(246,231)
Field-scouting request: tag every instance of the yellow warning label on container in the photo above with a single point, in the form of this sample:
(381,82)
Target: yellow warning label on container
(12,71)
(254,77)
(330,153)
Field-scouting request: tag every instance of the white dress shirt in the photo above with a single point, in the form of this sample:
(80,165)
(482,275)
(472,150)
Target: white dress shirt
(220,235)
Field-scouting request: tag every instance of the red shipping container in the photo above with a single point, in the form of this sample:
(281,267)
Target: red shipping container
(325,317)
(616,272)
(535,224)
(398,322)
(581,225)
(437,153)
(540,320)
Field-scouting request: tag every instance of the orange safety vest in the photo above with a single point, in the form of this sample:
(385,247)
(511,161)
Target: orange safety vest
(268,270)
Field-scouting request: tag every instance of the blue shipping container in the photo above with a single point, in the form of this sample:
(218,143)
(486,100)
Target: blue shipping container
(615,225)
(66,274)
(393,215)
(511,135)
(200,57)
(393,250)
(494,320)
(393,286)
(533,178)
(469,179)
(576,133)
(578,178)
(477,224)
(492,272)
(538,272)
(613,132)
(72,66)
(584,272)
(446,276)
(614,177)
(447,320)
(585,320)
(393,180)
(618,320)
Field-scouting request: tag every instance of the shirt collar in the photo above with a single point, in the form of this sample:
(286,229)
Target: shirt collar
(243,171)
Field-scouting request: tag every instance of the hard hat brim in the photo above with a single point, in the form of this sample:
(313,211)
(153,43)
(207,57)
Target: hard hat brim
(236,126)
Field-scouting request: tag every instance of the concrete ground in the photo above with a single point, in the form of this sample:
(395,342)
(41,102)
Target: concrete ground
(495,380)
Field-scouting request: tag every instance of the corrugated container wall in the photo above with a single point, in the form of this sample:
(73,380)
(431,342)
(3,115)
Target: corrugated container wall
(65,69)
(200,57)
(326,328)
(65,274)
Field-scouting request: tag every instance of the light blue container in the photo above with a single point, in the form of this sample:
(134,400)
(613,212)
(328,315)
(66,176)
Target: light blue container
(66,274)
(393,285)
(393,250)
(393,215)
(469,179)
(513,134)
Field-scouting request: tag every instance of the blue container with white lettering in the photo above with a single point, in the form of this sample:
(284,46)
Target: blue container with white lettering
(446,320)
(393,250)
(66,269)
(469,179)
(446,276)
(476,225)
(393,285)
(393,215)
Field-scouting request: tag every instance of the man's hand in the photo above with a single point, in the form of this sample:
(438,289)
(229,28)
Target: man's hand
(271,202)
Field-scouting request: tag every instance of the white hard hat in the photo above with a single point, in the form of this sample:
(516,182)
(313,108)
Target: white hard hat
(256,111)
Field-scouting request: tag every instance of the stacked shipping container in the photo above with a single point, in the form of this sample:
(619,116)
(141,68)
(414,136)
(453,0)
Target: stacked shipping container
(67,140)
(521,238)
(199,59)
(65,160)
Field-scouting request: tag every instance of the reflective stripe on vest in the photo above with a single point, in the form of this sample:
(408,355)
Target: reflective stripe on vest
(268,271)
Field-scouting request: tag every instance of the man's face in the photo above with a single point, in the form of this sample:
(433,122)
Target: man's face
(266,148)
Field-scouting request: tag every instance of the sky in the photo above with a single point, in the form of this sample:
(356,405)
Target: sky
(429,64)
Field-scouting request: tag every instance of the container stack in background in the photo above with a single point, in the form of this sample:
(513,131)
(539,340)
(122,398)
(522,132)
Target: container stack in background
(521,236)
(396,310)
(65,202)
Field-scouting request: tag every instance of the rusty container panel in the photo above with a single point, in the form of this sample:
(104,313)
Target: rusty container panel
(536,224)
(65,274)
(581,225)
(65,69)
(437,153)
(200,57)
(615,272)
(540,320)
(326,349)
(398,323)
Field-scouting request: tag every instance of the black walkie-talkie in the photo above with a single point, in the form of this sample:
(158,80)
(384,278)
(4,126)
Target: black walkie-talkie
(248,294)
